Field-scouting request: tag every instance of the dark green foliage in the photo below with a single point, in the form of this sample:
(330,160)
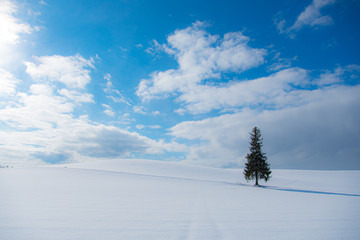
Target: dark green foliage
(256,166)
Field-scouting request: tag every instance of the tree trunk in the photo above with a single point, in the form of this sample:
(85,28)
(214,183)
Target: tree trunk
(256,179)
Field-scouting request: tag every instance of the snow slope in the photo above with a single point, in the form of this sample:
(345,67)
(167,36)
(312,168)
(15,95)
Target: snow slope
(142,199)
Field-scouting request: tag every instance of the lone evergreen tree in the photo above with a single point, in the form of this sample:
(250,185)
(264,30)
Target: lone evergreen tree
(256,166)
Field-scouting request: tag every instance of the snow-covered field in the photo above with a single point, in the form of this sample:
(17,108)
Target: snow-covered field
(142,199)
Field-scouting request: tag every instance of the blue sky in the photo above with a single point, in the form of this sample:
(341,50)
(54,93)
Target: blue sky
(180,81)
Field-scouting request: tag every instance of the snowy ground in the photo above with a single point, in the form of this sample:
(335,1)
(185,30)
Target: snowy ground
(142,199)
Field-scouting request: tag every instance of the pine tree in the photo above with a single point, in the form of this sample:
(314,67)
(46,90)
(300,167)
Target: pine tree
(256,166)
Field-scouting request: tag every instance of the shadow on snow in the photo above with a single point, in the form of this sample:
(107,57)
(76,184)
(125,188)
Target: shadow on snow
(309,191)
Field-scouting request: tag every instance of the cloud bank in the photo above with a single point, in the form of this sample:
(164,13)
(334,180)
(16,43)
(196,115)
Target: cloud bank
(41,125)
(321,133)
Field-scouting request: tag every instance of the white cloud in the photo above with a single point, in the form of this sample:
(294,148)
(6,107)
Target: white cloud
(109,141)
(73,71)
(281,62)
(12,33)
(200,56)
(108,110)
(310,17)
(123,49)
(39,109)
(280,25)
(321,133)
(107,77)
(273,91)
(155,113)
(7,83)
(42,2)
(41,126)
(154,48)
(139,109)
(114,94)
(338,75)
(140,126)
(41,89)
(10,26)
(77,96)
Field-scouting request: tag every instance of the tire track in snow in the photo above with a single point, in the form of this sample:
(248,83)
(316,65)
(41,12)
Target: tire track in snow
(201,223)
(158,176)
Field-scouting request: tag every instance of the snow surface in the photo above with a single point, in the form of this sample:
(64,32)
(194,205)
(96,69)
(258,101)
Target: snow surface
(143,199)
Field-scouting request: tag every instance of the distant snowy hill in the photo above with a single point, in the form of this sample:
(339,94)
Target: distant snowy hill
(143,199)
